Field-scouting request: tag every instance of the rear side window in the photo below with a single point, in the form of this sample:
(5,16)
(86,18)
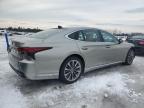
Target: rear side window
(77,36)
(86,35)
(73,36)
(91,35)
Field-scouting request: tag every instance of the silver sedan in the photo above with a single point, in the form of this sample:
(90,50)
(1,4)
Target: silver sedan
(67,53)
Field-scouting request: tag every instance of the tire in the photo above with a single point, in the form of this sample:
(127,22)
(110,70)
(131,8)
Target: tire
(130,57)
(71,70)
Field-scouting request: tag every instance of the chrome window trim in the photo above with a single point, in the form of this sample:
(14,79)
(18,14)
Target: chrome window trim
(71,33)
(66,36)
(101,66)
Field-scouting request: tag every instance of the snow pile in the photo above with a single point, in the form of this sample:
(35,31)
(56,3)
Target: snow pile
(113,83)
(86,90)
(106,85)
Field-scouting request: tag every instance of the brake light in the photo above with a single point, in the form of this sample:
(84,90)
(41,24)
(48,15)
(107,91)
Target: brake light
(141,42)
(32,50)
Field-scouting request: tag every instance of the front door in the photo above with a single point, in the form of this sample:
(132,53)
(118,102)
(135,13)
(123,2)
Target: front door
(114,50)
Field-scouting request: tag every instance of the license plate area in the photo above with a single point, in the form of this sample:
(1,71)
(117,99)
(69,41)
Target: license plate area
(14,61)
(15,53)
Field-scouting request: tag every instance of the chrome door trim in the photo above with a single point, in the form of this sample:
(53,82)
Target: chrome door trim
(101,66)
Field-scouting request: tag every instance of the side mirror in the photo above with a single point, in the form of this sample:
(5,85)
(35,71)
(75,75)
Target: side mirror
(120,41)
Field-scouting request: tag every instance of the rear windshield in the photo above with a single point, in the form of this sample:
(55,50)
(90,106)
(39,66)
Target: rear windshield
(45,34)
(138,37)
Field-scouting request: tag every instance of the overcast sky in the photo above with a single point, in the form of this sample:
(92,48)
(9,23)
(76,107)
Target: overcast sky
(125,15)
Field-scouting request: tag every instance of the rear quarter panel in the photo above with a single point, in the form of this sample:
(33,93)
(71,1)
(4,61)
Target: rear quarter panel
(49,61)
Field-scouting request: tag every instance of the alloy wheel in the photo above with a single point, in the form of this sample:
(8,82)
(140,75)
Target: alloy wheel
(72,70)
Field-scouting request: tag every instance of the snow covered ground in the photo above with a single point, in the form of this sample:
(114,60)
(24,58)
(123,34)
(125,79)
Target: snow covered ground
(114,87)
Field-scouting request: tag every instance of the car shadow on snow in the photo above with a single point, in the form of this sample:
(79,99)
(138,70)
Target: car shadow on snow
(28,87)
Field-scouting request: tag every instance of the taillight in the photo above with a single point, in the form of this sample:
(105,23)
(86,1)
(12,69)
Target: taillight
(141,42)
(29,52)
(32,50)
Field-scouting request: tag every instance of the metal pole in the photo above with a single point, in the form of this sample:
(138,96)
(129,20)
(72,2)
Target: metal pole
(7,41)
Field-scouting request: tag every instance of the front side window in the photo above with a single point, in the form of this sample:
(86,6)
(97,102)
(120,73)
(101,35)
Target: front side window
(107,37)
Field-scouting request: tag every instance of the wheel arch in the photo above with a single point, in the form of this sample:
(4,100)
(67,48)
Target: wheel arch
(73,55)
(130,48)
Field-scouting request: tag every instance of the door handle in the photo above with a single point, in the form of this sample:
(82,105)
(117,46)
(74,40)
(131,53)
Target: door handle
(84,48)
(108,46)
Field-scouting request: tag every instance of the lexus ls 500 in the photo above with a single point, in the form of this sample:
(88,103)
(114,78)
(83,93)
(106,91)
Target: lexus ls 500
(67,53)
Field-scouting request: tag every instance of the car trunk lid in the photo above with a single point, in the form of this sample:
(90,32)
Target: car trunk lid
(19,42)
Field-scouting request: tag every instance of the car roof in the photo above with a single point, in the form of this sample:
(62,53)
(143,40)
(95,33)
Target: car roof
(58,32)
(67,30)
(74,28)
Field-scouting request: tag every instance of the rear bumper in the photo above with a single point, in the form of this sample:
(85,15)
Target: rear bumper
(23,68)
(29,70)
